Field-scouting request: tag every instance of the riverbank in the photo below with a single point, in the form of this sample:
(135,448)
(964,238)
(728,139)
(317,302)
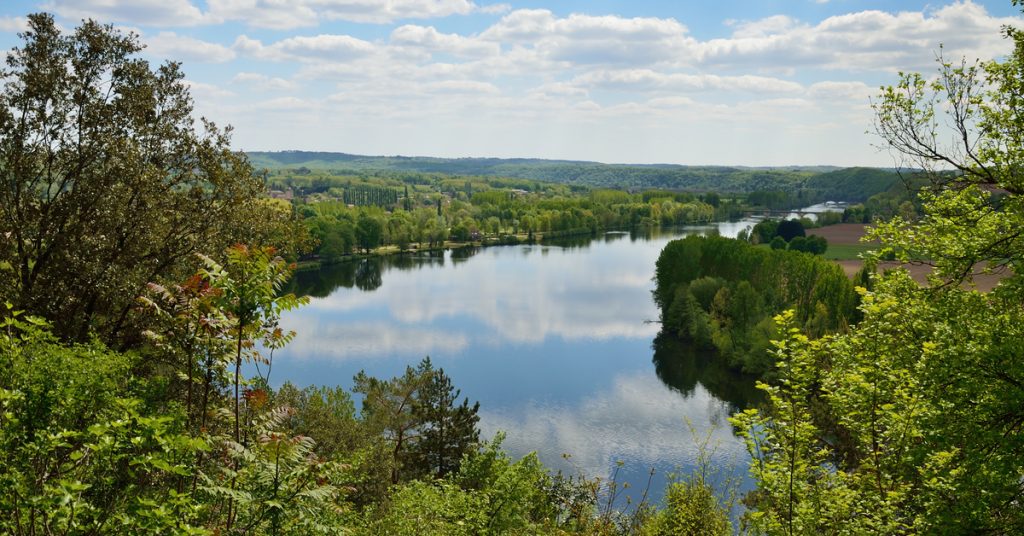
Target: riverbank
(503,240)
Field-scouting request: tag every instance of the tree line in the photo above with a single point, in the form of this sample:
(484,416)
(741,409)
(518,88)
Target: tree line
(496,215)
(723,293)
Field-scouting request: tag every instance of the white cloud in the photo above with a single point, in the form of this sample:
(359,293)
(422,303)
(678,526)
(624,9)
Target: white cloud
(865,40)
(429,39)
(146,12)
(274,14)
(283,14)
(853,91)
(585,39)
(183,48)
(13,24)
(576,85)
(207,91)
(644,80)
(262,82)
(319,48)
(773,25)
(284,104)
(461,87)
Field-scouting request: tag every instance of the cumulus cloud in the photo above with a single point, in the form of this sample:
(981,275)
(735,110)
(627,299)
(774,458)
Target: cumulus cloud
(13,24)
(586,39)
(537,69)
(178,47)
(262,81)
(866,40)
(856,91)
(644,80)
(429,39)
(318,48)
(146,12)
(207,91)
(274,14)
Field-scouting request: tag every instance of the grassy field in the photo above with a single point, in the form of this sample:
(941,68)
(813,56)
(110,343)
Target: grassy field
(845,252)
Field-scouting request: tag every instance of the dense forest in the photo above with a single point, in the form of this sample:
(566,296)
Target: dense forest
(723,293)
(790,186)
(349,213)
(495,216)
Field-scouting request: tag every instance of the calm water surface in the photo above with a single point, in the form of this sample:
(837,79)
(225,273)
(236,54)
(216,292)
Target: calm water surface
(553,340)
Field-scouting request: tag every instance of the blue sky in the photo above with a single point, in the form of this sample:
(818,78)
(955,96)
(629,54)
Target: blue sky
(745,83)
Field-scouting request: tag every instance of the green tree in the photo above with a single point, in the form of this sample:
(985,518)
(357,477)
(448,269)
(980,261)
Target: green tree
(911,422)
(789,229)
(369,231)
(798,243)
(80,451)
(108,184)
(448,429)
(250,284)
(778,243)
(389,409)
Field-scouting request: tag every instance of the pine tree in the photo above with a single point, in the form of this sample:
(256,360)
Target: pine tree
(447,429)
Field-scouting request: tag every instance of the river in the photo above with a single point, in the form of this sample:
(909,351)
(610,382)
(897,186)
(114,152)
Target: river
(554,341)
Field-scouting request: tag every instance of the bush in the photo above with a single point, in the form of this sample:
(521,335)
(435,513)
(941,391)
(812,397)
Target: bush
(692,508)
(789,229)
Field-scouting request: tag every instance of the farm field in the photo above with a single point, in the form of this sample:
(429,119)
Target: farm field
(844,246)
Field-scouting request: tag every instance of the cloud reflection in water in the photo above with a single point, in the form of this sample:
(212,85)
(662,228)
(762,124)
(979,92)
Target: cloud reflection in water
(503,296)
(638,419)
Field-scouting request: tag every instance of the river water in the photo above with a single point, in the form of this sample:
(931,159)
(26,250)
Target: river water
(552,340)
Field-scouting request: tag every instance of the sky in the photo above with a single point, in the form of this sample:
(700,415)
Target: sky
(748,82)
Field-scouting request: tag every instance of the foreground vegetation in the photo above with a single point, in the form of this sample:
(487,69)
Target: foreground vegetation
(124,407)
(910,422)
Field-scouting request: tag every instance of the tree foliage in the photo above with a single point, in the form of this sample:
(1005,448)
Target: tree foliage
(911,422)
(107,183)
(721,293)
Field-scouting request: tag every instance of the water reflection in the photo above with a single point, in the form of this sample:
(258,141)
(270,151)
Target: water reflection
(638,420)
(368,275)
(684,368)
(502,296)
(464,254)
(551,339)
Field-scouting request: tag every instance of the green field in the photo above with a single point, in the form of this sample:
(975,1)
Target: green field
(843,252)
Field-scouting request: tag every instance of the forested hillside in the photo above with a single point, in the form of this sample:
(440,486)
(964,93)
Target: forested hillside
(805,184)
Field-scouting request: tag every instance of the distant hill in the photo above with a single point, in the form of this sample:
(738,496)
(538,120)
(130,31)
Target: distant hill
(816,182)
(851,184)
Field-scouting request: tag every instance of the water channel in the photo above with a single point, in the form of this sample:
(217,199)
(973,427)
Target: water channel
(553,340)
